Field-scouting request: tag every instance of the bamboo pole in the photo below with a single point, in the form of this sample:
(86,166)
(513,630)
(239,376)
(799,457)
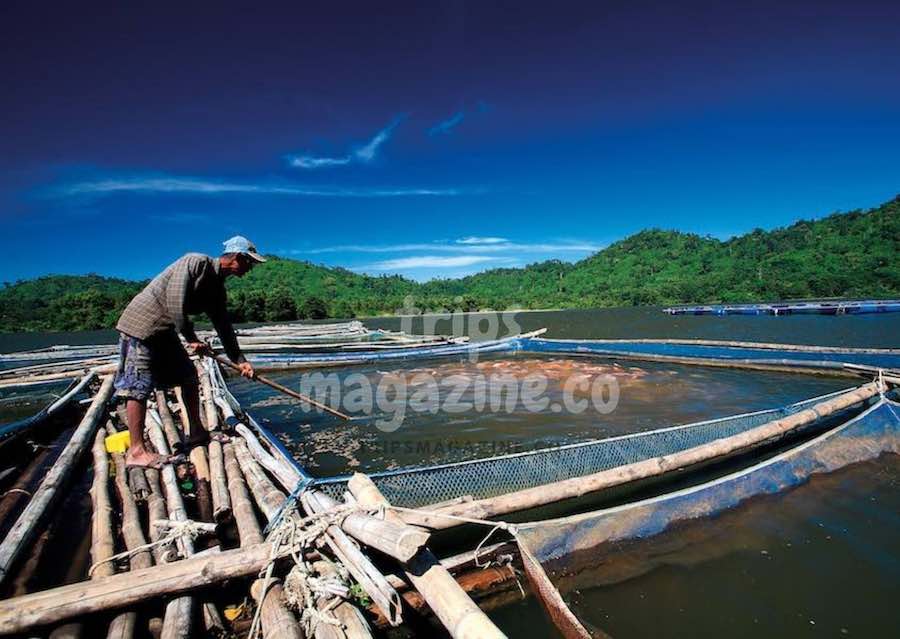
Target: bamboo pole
(178,619)
(579,486)
(127,589)
(449,602)
(123,625)
(173,435)
(47,493)
(221,500)
(277,621)
(270,499)
(360,567)
(47,411)
(353,624)
(197,456)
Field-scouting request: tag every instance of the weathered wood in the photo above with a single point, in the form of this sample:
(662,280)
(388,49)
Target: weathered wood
(156,510)
(394,539)
(221,500)
(359,566)
(456,611)
(353,623)
(269,500)
(198,458)
(53,484)
(102,543)
(283,472)
(578,486)
(178,620)
(173,434)
(127,589)
(277,621)
(123,625)
(267,496)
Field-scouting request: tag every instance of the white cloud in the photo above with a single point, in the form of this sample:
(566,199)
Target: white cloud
(430,261)
(163,185)
(310,162)
(363,154)
(445,126)
(482,240)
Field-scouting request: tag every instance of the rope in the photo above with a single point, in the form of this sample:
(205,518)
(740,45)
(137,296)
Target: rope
(176,530)
(298,533)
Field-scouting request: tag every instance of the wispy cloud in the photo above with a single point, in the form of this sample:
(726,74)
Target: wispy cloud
(445,126)
(203,186)
(459,247)
(363,154)
(431,261)
(482,240)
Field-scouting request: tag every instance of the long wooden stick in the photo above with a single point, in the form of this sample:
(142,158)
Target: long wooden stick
(27,524)
(284,389)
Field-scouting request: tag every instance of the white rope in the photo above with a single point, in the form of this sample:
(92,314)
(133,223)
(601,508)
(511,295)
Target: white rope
(175,530)
(299,533)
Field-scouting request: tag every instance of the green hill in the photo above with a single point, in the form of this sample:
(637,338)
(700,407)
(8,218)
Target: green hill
(843,255)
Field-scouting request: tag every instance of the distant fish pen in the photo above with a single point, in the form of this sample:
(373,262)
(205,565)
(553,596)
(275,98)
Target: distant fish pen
(241,538)
(790,308)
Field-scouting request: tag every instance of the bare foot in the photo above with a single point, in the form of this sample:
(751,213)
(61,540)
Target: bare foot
(144,459)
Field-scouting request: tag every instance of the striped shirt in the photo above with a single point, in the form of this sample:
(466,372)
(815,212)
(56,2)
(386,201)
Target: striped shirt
(190,285)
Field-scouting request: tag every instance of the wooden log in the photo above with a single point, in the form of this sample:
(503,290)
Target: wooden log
(173,435)
(127,589)
(221,500)
(394,539)
(156,510)
(54,483)
(103,545)
(178,620)
(270,499)
(198,458)
(360,567)
(579,486)
(283,472)
(123,625)
(449,602)
(277,621)
(353,623)
(267,496)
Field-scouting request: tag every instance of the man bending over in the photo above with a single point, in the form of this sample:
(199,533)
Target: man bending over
(151,355)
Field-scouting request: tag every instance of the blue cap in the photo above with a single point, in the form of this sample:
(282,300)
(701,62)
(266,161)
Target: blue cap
(240,244)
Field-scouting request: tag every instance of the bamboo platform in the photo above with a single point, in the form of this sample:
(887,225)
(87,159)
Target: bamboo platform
(186,551)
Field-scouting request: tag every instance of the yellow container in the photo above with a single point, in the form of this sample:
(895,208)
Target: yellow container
(118,443)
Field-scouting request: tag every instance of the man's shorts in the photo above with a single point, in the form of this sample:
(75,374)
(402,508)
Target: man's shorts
(159,361)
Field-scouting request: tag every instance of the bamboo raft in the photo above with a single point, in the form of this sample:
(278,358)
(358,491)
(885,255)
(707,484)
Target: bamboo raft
(241,539)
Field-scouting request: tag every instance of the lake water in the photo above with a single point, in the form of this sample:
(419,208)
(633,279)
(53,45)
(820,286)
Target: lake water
(821,560)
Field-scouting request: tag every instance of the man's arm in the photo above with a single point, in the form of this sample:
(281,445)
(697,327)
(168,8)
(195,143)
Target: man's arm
(176,299)
(218,314)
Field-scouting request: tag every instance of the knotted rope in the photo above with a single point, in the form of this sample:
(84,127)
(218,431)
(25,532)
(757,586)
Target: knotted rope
(175,530)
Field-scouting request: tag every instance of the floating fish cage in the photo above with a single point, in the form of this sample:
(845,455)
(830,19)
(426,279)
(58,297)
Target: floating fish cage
(790,308)
(270,529)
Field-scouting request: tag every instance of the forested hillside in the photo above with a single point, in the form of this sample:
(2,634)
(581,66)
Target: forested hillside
(843,255)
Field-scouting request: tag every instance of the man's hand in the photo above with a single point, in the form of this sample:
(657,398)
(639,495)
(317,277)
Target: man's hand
(200,348)
(247,370)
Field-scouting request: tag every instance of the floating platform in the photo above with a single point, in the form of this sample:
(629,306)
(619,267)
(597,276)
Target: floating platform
(790,308)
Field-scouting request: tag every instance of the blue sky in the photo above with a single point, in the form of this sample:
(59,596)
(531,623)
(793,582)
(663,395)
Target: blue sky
(432,139)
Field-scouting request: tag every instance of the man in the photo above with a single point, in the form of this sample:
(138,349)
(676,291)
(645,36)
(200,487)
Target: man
(151,355)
